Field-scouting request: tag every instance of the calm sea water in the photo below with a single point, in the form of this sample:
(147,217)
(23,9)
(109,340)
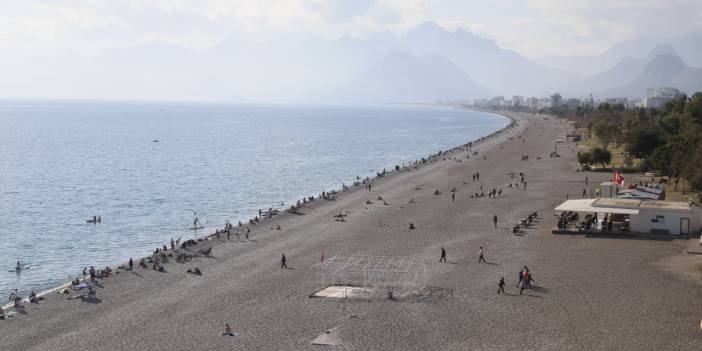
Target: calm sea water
(62,163)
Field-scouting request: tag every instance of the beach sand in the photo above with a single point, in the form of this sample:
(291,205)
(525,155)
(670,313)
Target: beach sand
(593,293)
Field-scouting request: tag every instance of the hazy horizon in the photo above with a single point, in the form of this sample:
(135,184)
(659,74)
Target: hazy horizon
(316,51)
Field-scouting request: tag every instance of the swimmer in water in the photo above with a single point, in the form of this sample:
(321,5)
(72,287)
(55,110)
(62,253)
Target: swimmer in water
(18,267)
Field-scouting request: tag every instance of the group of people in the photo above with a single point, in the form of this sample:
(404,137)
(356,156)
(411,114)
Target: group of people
(524,277)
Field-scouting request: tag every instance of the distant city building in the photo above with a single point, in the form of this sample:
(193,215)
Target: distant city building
(479,102)
(657,97)
(590,102)
(572,102)
(532,102)
(556,100)
(517,100)
(496,101)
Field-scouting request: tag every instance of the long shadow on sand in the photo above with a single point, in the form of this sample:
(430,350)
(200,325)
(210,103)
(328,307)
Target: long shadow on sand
(137,274)
(630,237)
(539,289)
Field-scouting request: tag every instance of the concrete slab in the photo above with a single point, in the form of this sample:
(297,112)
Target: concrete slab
(330,337)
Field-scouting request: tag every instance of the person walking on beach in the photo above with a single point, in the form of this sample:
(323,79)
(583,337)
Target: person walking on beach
(501,286)
(131,264)
(525,281)
(494,220)
(283,261)
(443,255)
(586,180)
(453,196)
(519,277)
(481,257)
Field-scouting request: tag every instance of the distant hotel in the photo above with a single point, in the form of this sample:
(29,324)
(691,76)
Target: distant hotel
(655,98)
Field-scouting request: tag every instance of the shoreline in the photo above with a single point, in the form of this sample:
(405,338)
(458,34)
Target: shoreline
(282,212)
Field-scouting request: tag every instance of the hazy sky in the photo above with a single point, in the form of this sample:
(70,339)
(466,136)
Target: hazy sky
(532,27)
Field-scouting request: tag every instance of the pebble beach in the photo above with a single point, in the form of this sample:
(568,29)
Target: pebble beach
(591,293)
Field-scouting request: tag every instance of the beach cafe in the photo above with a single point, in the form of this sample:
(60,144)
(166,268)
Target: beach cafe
(604,215)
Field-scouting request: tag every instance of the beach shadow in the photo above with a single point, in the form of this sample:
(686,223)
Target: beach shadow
(91,300)
(630,237)
(539,289)
(137,274)
(536,296)
(492,263)
(98,284)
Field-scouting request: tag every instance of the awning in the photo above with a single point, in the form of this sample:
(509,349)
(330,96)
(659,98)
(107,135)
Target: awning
(585,205)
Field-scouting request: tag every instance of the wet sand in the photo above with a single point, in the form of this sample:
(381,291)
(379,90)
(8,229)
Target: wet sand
(592,293)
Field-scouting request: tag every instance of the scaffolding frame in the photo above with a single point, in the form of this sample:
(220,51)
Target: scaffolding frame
(376,275)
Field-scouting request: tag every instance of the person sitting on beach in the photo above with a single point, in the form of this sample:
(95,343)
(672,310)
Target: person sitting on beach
(228,330)
(33,297)
(75,281)
(277,227)
(142,264)
(91,292)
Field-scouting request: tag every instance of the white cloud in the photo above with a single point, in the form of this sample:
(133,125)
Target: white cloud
(534,27)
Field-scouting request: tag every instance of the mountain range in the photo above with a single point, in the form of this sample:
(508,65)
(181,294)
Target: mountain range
(425,64)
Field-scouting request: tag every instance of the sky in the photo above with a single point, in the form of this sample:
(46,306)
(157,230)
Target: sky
(532,27)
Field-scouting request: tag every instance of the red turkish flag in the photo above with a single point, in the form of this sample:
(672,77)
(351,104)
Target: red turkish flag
(618,178)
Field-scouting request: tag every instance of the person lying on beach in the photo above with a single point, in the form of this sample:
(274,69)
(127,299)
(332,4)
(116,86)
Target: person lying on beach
(195,271)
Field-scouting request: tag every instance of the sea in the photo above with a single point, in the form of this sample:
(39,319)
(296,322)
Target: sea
(148,169)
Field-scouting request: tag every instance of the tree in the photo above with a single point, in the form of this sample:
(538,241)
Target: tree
(642,139)
(584,158)
(601,156)
(605,132)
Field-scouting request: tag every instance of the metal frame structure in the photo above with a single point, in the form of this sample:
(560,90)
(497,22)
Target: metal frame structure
(399,276)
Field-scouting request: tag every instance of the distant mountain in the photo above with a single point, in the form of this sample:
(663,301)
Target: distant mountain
(619,75)
(504,71)
(402,77)
(662,71)
(589,65)
(688,47)
(291,69)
